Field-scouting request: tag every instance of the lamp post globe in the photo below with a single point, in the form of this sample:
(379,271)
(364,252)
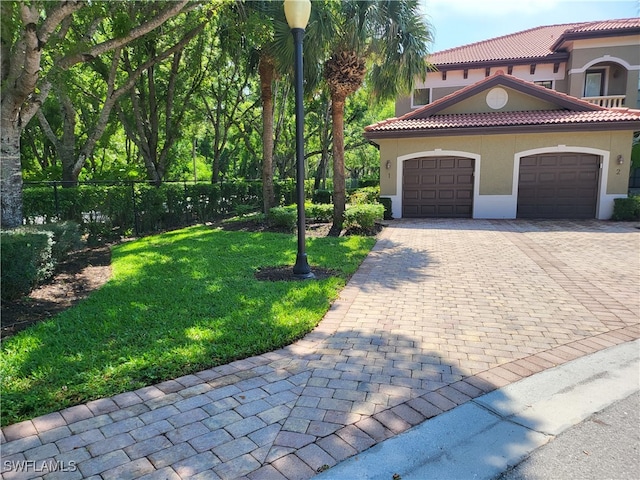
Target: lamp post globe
(297,13)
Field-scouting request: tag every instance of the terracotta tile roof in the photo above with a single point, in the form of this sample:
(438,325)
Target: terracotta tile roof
(501,119)
(534,44)
(606,25)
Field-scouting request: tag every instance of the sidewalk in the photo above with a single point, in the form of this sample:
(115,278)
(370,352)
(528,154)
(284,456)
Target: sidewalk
(440,313)
(486,436)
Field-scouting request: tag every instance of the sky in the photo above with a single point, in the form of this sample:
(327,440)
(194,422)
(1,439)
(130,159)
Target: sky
(460,22)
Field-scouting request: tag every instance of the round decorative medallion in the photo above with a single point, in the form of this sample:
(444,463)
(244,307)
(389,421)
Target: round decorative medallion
(497,98)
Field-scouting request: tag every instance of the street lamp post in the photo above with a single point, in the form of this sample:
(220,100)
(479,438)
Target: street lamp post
(297,13)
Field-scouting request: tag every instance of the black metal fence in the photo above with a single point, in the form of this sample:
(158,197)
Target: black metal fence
(138,208)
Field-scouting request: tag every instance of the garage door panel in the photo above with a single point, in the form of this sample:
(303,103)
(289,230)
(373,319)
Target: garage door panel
(412,180)
(428,194)
(466,163)
(427,164)
(429,179)
(445,188)
(412,194)
(547,177)
(566,177)
(446,194)
(558,186)
(447,180)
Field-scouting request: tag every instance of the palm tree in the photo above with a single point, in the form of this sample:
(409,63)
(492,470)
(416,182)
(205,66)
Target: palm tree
(387,38)
(275,50)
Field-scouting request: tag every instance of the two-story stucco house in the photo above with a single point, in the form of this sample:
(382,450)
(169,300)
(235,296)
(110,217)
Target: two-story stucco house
(537,124)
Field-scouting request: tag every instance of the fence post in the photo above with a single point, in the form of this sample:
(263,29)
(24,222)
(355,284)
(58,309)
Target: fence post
(56,200)
(135,211)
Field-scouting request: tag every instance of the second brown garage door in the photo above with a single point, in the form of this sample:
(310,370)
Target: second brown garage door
(437,187)
(558,186)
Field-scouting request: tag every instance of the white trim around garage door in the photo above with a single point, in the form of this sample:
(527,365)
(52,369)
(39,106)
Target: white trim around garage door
(396,200)
(604,206)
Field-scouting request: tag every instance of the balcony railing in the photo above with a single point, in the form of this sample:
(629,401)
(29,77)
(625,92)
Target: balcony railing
(608,101)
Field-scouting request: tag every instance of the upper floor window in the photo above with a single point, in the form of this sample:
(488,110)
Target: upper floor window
(545,83)
(594,83)
(421,96)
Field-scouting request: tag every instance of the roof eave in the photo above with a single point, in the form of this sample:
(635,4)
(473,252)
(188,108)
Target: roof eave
(503,62)
(631,125)
(571,36)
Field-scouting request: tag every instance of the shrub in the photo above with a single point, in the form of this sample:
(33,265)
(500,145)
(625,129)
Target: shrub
(388,215)
(320,212)
(26,260)
(363,216)
(66,237)
(626,209)
(365,195)
(285,191)
(283,217)
(369,182)
(322,196)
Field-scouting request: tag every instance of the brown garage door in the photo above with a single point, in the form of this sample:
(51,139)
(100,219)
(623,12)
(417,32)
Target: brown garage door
(437,187)
(558,186)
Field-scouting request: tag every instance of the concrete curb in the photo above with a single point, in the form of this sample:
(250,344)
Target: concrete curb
(488,435)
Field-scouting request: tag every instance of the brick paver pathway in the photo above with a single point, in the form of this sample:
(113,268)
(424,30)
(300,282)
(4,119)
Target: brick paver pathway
(439,313)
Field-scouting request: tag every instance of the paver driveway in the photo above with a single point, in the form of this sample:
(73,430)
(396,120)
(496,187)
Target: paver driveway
(440,312)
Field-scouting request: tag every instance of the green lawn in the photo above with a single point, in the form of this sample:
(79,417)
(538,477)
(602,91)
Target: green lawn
(177,303)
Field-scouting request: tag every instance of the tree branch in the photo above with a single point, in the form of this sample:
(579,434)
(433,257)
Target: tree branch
(173,10)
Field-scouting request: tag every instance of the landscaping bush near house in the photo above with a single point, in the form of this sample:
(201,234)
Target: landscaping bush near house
(368,182)
(26,260)
(66,237)
(363,217)
(626,209)
(31,253)
(283,217)
(319,212)
(365,195)
(388,215)
(322,196)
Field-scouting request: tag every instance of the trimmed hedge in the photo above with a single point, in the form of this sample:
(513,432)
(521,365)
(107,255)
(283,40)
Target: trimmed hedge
(283,217)
(31,253)
(26,261)
(107,211)
(626,209)
(320,212)
(388,215)
(365,195)
(66,237)
(363,216)
(322,196)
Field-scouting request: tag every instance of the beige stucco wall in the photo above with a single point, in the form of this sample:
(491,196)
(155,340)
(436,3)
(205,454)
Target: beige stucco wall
(516,102)
(620,52)
(497,153)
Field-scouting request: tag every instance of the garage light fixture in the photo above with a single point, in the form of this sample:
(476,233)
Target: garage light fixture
(620,160)
(388,164)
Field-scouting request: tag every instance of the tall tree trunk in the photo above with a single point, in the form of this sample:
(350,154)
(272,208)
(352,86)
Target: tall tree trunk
(266,70)
(344,73)
(339,197)
(11,173)
(325,142)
